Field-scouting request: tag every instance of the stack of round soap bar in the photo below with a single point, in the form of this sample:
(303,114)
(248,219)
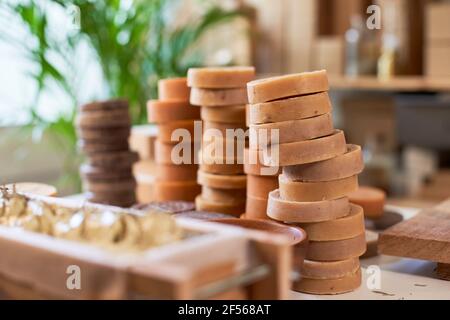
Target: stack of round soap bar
(221,93)
(319,171)
(103,130)
(261,180)
(175,172)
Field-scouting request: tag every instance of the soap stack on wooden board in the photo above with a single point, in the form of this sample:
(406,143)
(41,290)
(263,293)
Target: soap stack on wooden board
(142,141)
(103,130)
(174,181)
(222,95)
(319,171)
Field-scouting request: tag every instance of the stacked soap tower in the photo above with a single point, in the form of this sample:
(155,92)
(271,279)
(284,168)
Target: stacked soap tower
(319,171)
(221,93)
(176,171)
(142,141)
(103,129)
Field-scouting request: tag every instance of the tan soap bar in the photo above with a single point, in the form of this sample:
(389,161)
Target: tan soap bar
(103,118)
(295,108)
(306,212)
(176,190)
(340,229)
(253,165)
(225,196)
(142,140)
(217,78)
(186,134)
(337,250)
(256,208)
(329,286)
(229,114)
(222,181)
(329,270)
(218,97)
(220,165)
(316,191)
(371,199)
(231,150)
(286,86)
(310,151)
(224,128)
(170,154)
(173,89)
(167,111)
(291,131)
(168,172)
(203,204)
(261,186)
(343,166)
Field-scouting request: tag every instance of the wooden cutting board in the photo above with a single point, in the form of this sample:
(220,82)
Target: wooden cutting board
(424,237)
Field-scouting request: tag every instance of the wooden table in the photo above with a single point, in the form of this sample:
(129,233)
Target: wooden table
(401,279)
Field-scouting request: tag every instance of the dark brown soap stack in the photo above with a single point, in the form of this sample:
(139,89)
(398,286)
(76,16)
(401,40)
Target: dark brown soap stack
(103,130)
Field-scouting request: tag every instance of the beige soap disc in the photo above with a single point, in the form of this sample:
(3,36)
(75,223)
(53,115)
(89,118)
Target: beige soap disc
(286,86)
(217,78)
(306,212)
(296,108)
(343,166)
(316,191)
(329,286)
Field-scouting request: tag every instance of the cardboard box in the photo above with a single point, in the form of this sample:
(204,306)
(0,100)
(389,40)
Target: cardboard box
(438,21)
(437,56)
(329,54)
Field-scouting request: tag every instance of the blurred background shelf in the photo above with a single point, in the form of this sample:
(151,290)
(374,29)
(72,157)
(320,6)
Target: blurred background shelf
(396,84)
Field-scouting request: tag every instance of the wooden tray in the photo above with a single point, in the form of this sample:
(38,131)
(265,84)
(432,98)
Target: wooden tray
(218,261)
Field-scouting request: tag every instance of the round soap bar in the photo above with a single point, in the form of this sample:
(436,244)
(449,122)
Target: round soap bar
(203,204)
(103,118)
(217,78)
(253,165)
(104,174)
(168,172)
(173,89)
(316,191)
(174,154)
(168,130)
(220,165)
(104,135)
(340,229)
(119,159)
(371,199)
(222,181)
(89,147)
(343,166)
(218,97)
(229,151)
(167,111)
(337,250)
(306,212)
(329,286)
(256,208)
(329,270)
(261,186)
(291,131)
(230,114)
(113,104)
(225,196)
(223,127)
(176,190)
(296,108)
(307,151)
(286,86)
(117,186)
